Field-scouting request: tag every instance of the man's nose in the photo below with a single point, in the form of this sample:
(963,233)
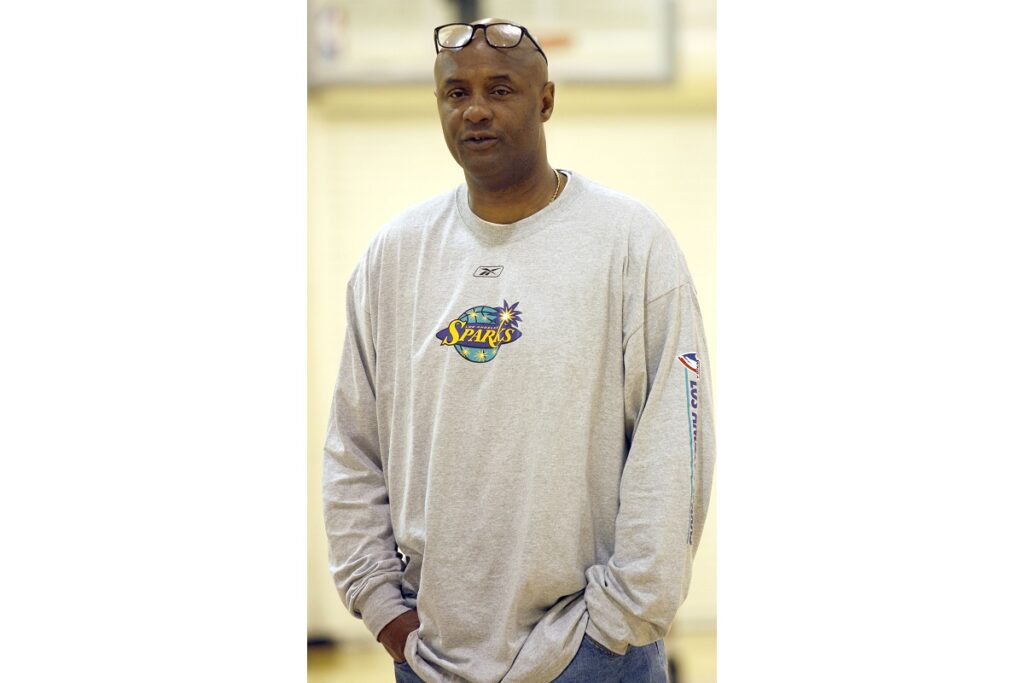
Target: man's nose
(476,111)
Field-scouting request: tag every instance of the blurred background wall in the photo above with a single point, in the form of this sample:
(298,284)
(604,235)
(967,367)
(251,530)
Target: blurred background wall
(375,148)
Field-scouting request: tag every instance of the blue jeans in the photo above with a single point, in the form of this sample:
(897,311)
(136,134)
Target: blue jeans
(594,663)
(405,674)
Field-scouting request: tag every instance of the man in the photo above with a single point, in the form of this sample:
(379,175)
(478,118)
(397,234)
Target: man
(519,453)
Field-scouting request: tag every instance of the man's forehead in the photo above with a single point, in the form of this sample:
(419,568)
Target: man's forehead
(449,70)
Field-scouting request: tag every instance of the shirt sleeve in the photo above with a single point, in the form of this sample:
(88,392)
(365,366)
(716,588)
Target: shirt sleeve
(364,558)
(666,480)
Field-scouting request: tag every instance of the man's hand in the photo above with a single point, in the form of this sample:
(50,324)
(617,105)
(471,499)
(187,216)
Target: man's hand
(394,635)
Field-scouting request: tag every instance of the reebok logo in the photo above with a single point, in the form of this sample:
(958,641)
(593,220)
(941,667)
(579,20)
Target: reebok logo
(488,271)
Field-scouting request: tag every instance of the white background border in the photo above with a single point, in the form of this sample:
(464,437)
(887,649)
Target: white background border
(152,264)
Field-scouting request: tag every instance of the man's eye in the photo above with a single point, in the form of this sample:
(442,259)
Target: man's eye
(456,94)
(502,92)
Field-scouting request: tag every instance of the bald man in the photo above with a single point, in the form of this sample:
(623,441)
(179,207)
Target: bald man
(519,454)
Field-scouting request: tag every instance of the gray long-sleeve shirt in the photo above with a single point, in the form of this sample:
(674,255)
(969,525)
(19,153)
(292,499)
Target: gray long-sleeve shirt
(524,412)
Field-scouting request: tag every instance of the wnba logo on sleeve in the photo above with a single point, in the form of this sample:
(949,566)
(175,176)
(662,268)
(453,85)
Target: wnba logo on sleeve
(691,365)
(479,333)
(691,362)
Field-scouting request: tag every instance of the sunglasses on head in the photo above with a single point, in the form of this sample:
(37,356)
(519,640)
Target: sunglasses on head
(501,36)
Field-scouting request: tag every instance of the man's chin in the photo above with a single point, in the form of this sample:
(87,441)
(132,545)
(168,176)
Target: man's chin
(484,167)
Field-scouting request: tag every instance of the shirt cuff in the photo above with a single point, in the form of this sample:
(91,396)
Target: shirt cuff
(380,607)
(595,632)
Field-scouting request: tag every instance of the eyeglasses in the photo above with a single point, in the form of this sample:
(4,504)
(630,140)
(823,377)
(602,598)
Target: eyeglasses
(502,36)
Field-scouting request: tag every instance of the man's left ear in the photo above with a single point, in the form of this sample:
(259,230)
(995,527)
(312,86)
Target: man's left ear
(547,101)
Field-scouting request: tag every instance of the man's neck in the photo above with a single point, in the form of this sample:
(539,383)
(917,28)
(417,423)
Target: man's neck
(512,203)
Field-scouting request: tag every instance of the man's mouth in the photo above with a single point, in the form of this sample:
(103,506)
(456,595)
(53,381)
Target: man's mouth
(482,141)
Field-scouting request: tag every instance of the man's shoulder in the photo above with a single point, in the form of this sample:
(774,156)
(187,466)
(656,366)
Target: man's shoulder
(602,193)
(622,208)
(651,246)
(423,214)
(414,221)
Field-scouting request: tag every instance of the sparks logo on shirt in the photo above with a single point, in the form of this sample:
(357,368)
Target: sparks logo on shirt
(478,333)
(692,374)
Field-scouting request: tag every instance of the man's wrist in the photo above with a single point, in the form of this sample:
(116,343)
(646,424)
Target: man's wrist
(395,634)
(396,623)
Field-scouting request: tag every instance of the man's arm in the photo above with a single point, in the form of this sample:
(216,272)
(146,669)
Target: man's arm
(666,481)
(363,554)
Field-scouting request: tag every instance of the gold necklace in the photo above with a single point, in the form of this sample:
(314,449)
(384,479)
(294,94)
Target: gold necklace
(558,185)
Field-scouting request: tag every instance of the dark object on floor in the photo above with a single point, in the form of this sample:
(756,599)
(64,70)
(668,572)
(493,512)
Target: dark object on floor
(320,642)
